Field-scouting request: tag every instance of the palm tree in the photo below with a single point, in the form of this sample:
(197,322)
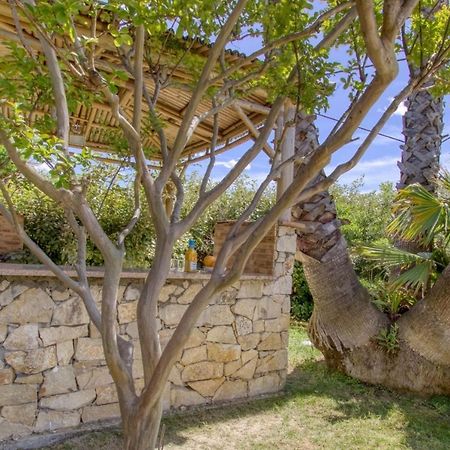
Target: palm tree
(422,217)
(345,325)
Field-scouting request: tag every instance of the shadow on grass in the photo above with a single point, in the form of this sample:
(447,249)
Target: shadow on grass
(425,422)
(322,401)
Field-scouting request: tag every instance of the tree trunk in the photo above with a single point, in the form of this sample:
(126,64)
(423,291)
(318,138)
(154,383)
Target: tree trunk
(422,128)
(345,324)
(141,432)
(343,316)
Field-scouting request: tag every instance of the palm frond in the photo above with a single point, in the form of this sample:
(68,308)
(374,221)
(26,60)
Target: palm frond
(420,214)
(415,278)
(390,256)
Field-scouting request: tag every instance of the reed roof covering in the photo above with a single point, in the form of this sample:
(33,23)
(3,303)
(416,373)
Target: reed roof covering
(91,125)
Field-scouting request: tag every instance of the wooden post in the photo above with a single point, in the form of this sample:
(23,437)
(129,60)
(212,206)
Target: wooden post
(287,151)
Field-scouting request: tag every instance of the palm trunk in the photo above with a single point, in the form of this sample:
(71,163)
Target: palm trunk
(345,324)
(422,128)
(343,316)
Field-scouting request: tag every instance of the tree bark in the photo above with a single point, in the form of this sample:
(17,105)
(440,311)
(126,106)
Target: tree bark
(345,324)
(140,432)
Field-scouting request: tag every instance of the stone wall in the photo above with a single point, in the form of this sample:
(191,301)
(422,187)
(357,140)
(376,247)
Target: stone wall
(52,371)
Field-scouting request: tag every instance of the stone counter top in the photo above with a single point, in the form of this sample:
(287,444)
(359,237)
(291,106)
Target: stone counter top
(37,270)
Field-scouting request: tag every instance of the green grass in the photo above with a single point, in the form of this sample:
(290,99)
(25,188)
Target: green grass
(319,410)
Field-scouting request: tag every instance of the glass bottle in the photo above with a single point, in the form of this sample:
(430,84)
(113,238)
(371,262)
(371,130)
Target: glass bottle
(190,257)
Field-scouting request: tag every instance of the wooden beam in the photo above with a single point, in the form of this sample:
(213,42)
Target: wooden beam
(252,128)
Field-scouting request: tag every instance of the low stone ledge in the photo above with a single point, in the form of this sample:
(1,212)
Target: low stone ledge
(37,270)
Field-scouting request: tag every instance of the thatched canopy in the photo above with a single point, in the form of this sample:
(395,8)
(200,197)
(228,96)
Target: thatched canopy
(92,125)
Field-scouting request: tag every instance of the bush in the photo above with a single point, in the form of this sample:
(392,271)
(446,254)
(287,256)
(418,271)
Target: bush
(301,298)
(46,224)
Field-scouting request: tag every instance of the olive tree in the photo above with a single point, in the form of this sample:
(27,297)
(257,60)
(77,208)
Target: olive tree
(54,62)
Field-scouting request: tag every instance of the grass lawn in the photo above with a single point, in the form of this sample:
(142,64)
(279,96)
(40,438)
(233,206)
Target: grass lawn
(319,410)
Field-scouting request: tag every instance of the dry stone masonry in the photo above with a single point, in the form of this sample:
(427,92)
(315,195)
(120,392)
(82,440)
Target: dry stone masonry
(52,370)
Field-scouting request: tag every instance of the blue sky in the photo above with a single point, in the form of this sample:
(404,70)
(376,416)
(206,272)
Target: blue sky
(378,165)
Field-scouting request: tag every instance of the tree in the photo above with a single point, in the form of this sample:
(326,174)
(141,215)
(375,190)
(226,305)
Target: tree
(90,52)
(354,336)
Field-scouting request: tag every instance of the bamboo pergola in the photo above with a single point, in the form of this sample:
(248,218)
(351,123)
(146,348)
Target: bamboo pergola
(92,125)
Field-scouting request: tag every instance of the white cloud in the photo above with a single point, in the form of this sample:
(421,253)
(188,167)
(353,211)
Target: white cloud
(374,164)
(230,164)
(373,172)
(401,110)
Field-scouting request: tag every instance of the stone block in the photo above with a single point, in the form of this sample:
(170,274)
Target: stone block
(106,394)
(243,326)
(267,308)
(3,331)
(14,394)
(88,349)
(272,362)
(202,371)
(271,341)
(9,430)
(103,412)
(282,285)
(166,292)
(33,361)
(164,336)
(287,244)
(195,339)
(193,355)
(36,378)
(216,315)
(24,414)
(207,388)
(182,396)
(132,292)
(221,333)
(59,380)
(32,306)
(223,352)
(278,325)
(60,294)
(231,390)
(64,352)
(11,292)
(175,375)
(227,297)
(250,289)
(245,307)
(247,371)
(53,335)
(127,312)
(25,337)
(171,314)
(56,420)
(6,376)
(248,355)
(70,312)
(249,341)
(264,385)
(232,367)
(132,330)
(94,377)
(93,331)
(189,294)
(258,326)
(72,400)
